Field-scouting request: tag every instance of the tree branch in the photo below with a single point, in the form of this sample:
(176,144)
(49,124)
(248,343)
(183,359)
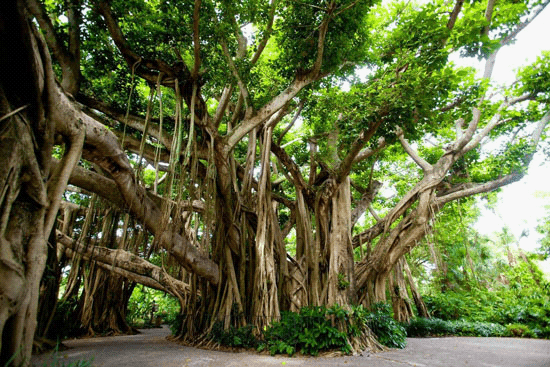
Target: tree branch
(479,188)
(69,59)
(465,137)
(222,105)
(365,202)
(424,165)
(488,15)
(266,111)
(133,121)
(494,184)
(267,33)
(52,40)
(101,147)
(494,121)
(321,40)
(242,87)
(126,264)
(60,177)
(509,38)
(351,157)
(132,58)
(454,14)
(369,152)
(290,165)
(293,121)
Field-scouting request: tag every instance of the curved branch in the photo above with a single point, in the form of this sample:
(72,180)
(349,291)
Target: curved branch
(293,121)
(52,40)
(424,165)
(494,121)
(351,158)
(69,59)
(488,15)
(509,38)
(267,33)
(131,57)
(454,14)
(479,188)
(321,40)
(267,110)
(222,105)
(133,121)
(58,181)
(235,72)
(102,147)
(290,165)
(126,264)
(369,152)
(490,62)
(494,184)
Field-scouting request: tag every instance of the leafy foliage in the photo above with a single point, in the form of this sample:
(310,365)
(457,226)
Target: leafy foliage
(315,330)
(141,303)
(524,301)
(308,332)
(421,327)
(234,337)
(389,332)
(65,316)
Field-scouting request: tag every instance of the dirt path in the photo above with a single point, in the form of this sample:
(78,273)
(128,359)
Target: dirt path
(150,348)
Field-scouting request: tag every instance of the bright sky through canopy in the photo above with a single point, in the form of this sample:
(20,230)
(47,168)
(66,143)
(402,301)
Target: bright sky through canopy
(518,207)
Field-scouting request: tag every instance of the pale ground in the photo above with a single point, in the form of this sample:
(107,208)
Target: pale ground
(151,348)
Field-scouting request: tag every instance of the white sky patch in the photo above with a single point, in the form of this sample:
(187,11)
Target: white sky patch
(518,206)
(528,46)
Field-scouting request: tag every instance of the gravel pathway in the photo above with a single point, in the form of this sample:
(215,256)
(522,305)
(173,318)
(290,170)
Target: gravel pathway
(151,348)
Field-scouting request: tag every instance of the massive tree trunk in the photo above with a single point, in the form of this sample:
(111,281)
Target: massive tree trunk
(401,304)
(26,199)
(265,303)
(341,281)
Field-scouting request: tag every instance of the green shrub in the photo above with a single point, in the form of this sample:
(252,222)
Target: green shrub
(234,337)
(174,321)
(140,307)
(315,330)
(389,332)
(65,319)
(446,306)
(519,330)
(308,332)
(421,327)
(482,329)
(524,302)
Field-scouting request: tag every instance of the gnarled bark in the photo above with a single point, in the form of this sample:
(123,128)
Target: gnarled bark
(26,138)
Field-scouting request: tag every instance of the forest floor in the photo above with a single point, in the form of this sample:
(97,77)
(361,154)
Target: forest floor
(151,348)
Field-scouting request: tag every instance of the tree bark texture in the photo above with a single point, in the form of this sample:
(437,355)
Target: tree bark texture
(26,137)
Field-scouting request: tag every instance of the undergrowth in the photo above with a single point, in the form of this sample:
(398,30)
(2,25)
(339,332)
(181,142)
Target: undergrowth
(519,308)
(421,327)
(315,330)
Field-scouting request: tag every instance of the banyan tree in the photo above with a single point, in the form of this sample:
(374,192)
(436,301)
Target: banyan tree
(252,145)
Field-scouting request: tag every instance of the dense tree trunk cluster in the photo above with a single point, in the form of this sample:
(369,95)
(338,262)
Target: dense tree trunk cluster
(226,193)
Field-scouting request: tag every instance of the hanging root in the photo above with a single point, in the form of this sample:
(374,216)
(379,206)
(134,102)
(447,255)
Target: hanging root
(366,342)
